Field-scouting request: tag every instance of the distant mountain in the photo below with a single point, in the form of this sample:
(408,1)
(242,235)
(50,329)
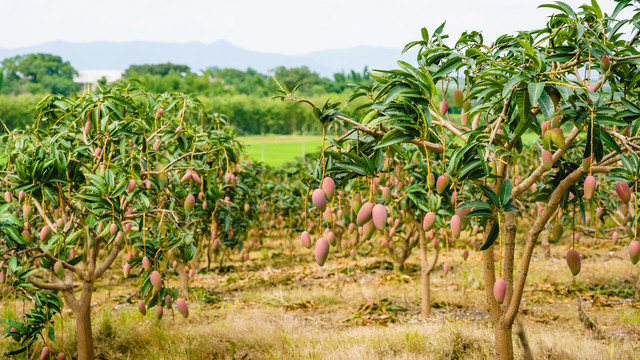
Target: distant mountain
(199,56)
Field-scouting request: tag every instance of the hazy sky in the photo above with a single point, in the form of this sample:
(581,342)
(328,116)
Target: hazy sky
(282,26)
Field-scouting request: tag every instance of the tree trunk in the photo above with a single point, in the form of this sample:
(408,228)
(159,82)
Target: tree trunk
(425,289)
(504,342)
(425,283)
(83,324)
(546,249)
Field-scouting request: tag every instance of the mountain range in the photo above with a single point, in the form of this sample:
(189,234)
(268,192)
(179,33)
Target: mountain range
(199,56)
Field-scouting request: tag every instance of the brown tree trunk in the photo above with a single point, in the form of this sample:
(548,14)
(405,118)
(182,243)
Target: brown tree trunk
(546,249)
(82,312)
(425,281)
(425,289)
(504,342)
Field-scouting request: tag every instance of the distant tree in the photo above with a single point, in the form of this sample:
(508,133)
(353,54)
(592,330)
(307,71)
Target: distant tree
(302,74)
(156,69)
(49,72)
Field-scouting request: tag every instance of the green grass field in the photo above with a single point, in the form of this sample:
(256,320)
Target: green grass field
(279,149)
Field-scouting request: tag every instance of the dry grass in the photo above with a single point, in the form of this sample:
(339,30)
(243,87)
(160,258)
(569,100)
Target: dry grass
(282,307)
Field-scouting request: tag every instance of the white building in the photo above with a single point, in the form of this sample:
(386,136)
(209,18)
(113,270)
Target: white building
(91,77)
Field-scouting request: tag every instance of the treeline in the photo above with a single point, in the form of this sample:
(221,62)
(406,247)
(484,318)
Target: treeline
(243,96)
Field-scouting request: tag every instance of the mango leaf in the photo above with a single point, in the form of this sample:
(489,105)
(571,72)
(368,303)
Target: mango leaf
(546,105)
(491,238)
(535,90)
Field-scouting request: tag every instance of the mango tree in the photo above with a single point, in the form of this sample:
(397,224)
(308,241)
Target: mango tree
(99,174)
(572,84)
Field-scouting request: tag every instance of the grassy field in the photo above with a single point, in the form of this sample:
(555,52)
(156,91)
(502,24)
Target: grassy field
(279,149)
(281,305)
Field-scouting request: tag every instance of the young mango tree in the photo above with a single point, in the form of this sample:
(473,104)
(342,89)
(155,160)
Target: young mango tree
(572,84)
(98,174)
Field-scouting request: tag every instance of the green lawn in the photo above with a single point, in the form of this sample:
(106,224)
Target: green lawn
(279,149)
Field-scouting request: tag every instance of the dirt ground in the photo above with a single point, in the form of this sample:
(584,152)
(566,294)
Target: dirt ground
(281,305)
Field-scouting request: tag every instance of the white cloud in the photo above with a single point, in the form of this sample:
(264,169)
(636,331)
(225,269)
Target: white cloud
(283,26)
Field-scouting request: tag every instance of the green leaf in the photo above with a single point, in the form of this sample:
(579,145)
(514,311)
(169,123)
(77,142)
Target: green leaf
(491,238)
(391,138)
(535,90)
(546,105)
(360,170)
(448,67)
(513,81)
(505,191)
(491,196)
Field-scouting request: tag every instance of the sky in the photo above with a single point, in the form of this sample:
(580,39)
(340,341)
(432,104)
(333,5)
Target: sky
(289,27)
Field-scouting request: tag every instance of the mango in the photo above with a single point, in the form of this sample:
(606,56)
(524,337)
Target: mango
(126,270)
(499,290)
(386,194)
(456,224)
(547,159)
(544,127)
(573,261)
(167,301)
(623,191)
(305,239)
(431,181)
(445,267)
(45,233)
(557,137)
(321,251)
(44,354)
(557,231)
(182,307)
(142,307)
(464,117)
(444,107)
(442,183)
(146,264)
(59,269)
(195,177)
(331,238)
(189,202)
(365,214)
(429,221)
(546,140)
(379,215)
(159,312)
(634,251)
(156,144)
(186,177)
(329,187)
(327,215)
(319,199)
(156,280)
(368,230)
(589,187)
(458,98)
(26,236)
(606,62)
(465,255)
(356,204)
(87,128)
